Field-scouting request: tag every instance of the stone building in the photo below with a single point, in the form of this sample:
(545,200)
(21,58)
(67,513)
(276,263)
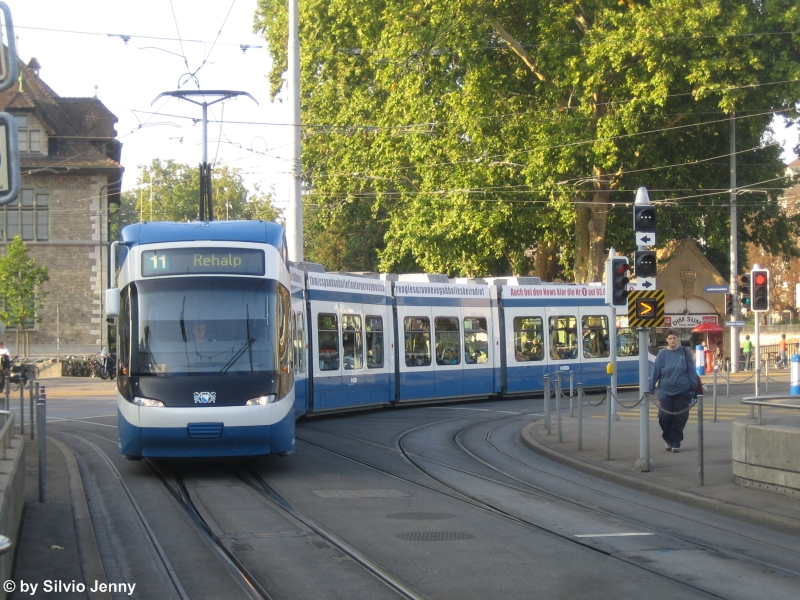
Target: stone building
(683,274)
(71,175)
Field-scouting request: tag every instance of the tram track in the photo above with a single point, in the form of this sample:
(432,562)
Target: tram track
(620,517)
(528,488)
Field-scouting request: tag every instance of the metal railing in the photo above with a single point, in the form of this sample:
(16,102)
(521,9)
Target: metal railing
(769,401)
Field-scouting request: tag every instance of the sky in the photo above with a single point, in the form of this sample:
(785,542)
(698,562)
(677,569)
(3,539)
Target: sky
(80,45)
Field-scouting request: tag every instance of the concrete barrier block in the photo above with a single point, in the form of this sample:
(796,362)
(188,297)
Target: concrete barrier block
(775,447)
(740,440)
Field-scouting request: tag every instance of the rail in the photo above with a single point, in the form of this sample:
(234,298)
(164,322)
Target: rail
(6,433)
(760,401)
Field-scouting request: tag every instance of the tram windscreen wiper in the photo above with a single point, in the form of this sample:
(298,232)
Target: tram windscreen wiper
(245,346)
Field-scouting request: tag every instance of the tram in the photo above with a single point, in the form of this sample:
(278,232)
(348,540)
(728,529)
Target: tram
(222,343)
(204,339)
(382,340)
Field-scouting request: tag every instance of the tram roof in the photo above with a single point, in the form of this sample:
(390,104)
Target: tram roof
(260,232)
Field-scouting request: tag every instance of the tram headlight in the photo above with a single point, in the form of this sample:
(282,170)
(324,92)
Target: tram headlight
(139,401)
(261,400)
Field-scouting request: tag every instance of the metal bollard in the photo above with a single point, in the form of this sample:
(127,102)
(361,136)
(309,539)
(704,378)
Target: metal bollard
(547,403)
(766,375)
(700,438)
(571,388)
(580,417)
(30,403)
(609,399)
(21,407)
(41,410)
(715,396)
(558,407)
(728,383)
(35,393)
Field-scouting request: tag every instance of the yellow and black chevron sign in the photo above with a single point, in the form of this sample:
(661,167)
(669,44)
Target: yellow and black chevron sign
(646,308)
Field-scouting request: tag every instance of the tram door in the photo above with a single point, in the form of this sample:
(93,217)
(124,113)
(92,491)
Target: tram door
(596,339)
(563,333)
(353,359)
(448,368)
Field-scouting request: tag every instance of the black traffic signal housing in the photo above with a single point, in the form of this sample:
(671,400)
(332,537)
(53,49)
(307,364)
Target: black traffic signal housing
(644,218)
(619,280)
(759,280)
(645,263)
(728,304)
(744,291)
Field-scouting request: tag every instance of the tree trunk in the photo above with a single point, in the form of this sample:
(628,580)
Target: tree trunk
(546,261)
(582,255)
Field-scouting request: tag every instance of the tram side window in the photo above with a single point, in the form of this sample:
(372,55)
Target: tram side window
(476,341)
(123,334)
(374,342)
(301,343)
(293,316)
(627,342)
(563,337)
(447,341)
(596,338)
(352,342)
(284,329)
(417,341)
(328,333)
(528,339)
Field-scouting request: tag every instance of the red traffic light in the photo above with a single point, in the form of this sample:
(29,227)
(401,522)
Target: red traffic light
(759,278)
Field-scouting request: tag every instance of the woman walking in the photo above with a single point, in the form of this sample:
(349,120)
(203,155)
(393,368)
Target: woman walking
(677,379)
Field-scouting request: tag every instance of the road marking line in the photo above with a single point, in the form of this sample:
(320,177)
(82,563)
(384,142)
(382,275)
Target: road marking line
(590,535)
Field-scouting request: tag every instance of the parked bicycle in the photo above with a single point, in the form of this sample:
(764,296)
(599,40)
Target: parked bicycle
(21,373)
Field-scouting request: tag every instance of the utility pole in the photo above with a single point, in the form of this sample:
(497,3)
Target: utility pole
(734,250)
(206,207)
(294,212)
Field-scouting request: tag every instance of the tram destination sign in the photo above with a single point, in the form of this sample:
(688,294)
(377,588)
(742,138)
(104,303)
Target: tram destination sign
(203,261)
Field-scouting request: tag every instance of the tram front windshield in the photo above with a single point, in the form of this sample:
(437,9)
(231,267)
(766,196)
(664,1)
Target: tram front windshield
(203,326)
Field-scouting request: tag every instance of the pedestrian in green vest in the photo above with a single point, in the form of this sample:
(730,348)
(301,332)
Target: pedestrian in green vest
(747,350)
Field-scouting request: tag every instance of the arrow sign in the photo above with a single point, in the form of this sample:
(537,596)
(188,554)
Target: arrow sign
(644,283)
(644,238)
(717,288)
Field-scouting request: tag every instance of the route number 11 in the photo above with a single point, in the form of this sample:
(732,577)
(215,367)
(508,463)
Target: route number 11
(159,262)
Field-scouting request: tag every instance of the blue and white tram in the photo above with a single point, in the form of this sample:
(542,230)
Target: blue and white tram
(373,342)
(205,325)
(552,328)
(352,342)
(450,340)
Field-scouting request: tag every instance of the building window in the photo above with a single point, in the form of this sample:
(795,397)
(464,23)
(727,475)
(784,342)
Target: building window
(28,217)
(30,140)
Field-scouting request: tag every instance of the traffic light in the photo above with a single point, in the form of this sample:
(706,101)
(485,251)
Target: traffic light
(644,218)
(744,291)
(760,282)
(645,263)
(617,283)
(728,304)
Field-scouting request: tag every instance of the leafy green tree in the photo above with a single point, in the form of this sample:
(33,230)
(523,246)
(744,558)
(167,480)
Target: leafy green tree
(511,136)
(170,191)
(20,290)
